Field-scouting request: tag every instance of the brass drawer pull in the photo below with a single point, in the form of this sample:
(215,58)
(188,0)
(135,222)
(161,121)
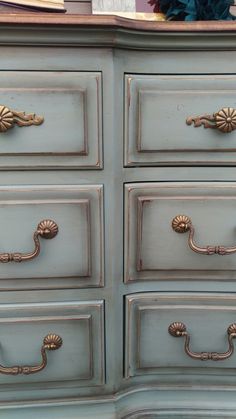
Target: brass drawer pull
(51,342)
(182,224)
(178,330)
(8,118)
(224,120)
(47,229)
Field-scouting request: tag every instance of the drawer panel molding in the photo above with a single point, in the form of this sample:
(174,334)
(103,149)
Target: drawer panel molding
(74,258)
(79,362)
(154,251)
(151,348)
(70,136)
(158,110)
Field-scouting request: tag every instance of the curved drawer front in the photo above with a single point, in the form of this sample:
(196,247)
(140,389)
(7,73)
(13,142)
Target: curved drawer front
(156,110)
(74,257)
(153,250)
(78,362)
(70,135)
(151,349)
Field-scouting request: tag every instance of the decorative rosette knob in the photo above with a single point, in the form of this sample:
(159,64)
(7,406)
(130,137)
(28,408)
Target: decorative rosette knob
(52,342)
(225,120)
(6,119)
(181,223)
(177,329)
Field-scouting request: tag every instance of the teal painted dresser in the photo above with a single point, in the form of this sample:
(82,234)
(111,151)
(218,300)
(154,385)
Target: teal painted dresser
(115,137)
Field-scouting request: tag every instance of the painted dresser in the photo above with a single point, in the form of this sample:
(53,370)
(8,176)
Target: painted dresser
(116,137)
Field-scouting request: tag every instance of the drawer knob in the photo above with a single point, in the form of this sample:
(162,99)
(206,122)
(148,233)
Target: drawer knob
(47,229)
(182,224)
(51,342)
(8,118)
(178,329)
(224,120)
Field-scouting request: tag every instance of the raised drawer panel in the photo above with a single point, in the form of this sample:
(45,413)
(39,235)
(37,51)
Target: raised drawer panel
(153,250)
(70,136)
(78,362)
(150,349)
(156,110)
(74,257)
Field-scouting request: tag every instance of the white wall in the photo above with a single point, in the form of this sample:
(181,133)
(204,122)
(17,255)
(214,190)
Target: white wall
(113,5)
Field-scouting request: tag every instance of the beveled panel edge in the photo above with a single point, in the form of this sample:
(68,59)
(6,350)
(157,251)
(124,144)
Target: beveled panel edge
(127,79)
(89,249)
(100,155)
(141,201)
(75,307)
(48,160)
(141,93)
(86,203)
(83,92)
(133,302)
(194,157)
(47,318)
(62,282)
(163,275)
(179,412)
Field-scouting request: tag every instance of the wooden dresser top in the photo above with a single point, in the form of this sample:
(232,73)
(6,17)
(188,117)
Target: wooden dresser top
(85,20)
(112,31)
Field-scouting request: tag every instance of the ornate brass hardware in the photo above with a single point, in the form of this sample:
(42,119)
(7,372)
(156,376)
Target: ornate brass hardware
(182,224)
(224,120)
(178,329)
(47,229)
(8,118)
(51,342)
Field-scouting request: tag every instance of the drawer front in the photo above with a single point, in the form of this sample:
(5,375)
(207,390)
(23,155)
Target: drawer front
(70,135)
(73,258)
(151,349)
(153,250)
(156,110)
(79,361)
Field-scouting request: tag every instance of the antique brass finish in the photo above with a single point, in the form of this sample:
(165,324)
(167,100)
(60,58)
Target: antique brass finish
(178,329)
(224,120)
(47,229)
(8,118)
(182,224)
(51,342)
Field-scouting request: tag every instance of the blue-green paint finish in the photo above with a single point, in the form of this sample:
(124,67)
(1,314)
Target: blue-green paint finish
(153,250)
(70,103)
(74,258)
(150,349)
(69,283)
(157,107)
(79,362)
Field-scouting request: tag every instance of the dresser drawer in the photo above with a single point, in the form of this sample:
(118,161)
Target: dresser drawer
(68,136)
(76,331)
(151,348)
(154,250)
(72,258)
(156,111)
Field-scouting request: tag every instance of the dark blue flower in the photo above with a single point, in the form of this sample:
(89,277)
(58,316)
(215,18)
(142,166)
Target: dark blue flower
(194,9)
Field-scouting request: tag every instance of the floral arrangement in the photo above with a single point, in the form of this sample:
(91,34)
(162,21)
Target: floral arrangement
(194,9)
